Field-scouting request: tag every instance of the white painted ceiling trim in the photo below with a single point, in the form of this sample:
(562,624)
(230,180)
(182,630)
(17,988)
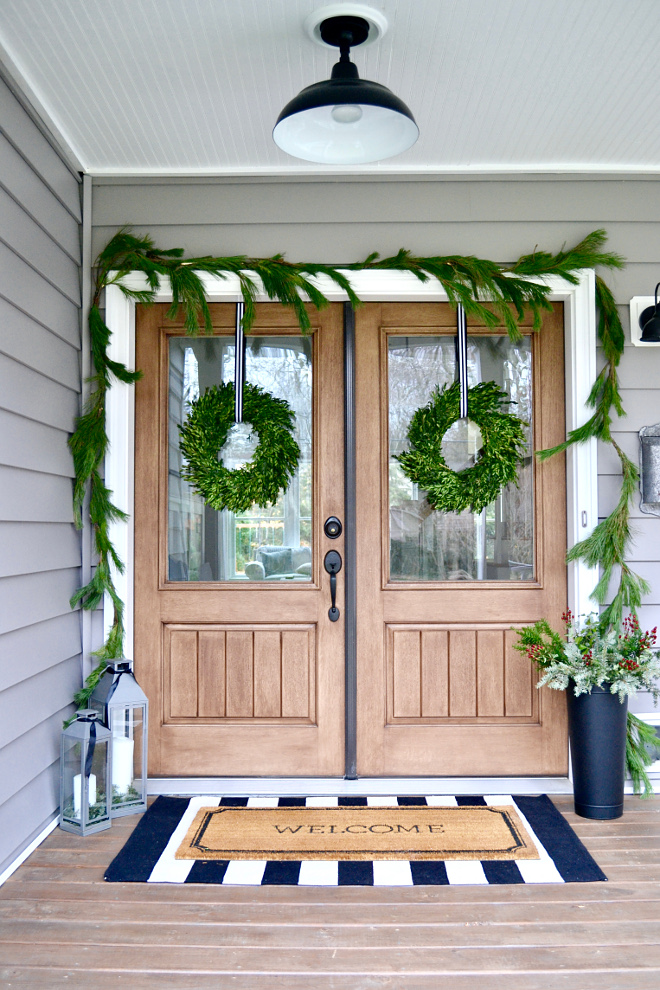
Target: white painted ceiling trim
(374,171)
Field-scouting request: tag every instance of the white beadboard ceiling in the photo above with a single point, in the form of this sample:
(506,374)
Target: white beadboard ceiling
(194,86)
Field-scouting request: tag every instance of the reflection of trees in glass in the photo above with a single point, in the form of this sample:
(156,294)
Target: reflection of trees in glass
(518,383)
(416,367)
(518,500)
(305,473)
(401,487)
(284,368)
(190,380)
(281,366)
(519,504)
(449,546)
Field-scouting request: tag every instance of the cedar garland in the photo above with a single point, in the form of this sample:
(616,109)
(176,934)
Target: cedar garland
(491,294)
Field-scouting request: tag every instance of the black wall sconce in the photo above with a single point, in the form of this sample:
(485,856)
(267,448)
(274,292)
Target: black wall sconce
(649,322)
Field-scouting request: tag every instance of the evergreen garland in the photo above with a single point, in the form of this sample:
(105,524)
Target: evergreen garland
(607,546)
(491,294)
(503,444)
(205,432)
(642,749)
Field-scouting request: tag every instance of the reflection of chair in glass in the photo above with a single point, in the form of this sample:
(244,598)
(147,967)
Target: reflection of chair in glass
(412,551)
(278,563)
(458,534)
(178,570)
(433,546)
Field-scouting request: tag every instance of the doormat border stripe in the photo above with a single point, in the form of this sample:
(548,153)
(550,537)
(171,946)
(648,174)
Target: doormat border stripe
(149,854)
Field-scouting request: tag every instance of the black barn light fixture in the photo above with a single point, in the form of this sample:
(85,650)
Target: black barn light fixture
(345,120)
(649,322)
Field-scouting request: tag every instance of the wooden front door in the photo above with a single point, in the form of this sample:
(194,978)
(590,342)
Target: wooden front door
(440,689)
(233,645)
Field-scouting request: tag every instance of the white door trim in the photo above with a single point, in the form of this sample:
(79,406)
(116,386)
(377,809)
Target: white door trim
(580,372)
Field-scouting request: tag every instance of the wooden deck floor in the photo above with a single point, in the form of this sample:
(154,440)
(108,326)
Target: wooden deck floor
(61,925)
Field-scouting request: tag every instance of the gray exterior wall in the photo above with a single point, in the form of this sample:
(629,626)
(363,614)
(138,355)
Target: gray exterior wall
(344,220)
(39,400)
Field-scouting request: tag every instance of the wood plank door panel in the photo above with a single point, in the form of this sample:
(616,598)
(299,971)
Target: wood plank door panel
(244,677)
(440,689)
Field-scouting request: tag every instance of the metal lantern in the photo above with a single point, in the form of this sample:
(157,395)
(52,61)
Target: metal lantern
(85,769)
(123,706)
(649,469)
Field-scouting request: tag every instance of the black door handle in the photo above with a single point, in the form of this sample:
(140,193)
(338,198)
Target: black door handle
(332,564)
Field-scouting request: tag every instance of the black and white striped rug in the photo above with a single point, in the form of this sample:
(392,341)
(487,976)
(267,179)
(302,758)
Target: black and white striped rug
(149,854)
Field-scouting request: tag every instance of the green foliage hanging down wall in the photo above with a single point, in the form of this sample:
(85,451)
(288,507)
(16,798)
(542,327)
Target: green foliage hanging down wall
(492,294)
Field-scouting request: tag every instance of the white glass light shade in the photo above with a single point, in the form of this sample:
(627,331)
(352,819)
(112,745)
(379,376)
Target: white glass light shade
(345,121)
(316,136)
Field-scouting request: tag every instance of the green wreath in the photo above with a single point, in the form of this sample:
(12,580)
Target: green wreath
(205,432)
(503,447)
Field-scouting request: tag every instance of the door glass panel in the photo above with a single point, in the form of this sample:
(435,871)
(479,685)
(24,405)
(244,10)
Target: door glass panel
(261,544)
(496,544)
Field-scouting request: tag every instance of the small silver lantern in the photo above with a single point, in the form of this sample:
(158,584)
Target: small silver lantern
(123,706)
(84,775)
(649,468)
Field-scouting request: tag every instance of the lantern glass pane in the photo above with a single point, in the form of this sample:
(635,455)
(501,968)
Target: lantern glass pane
(127,726)
(70,771)
(78,807)
(98,785)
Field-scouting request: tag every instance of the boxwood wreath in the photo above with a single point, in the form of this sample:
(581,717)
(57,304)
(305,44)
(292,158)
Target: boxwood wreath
(205,432)
(492,295)
(503,446)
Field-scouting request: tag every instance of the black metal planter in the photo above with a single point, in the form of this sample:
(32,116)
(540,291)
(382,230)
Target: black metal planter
(597,727)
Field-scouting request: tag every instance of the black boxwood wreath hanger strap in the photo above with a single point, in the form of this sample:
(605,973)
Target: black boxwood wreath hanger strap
(205,432)
(503,446)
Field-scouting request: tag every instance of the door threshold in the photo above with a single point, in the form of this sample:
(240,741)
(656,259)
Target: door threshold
(292,786)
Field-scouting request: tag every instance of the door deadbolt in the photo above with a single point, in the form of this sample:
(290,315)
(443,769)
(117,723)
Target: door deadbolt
(332,527)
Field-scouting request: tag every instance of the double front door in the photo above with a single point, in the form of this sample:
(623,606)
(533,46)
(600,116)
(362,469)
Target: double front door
(234,645)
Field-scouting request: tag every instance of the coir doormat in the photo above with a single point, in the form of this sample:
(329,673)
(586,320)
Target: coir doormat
(415,840)
(358,833)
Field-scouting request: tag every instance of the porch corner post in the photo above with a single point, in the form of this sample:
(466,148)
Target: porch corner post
(350,605)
